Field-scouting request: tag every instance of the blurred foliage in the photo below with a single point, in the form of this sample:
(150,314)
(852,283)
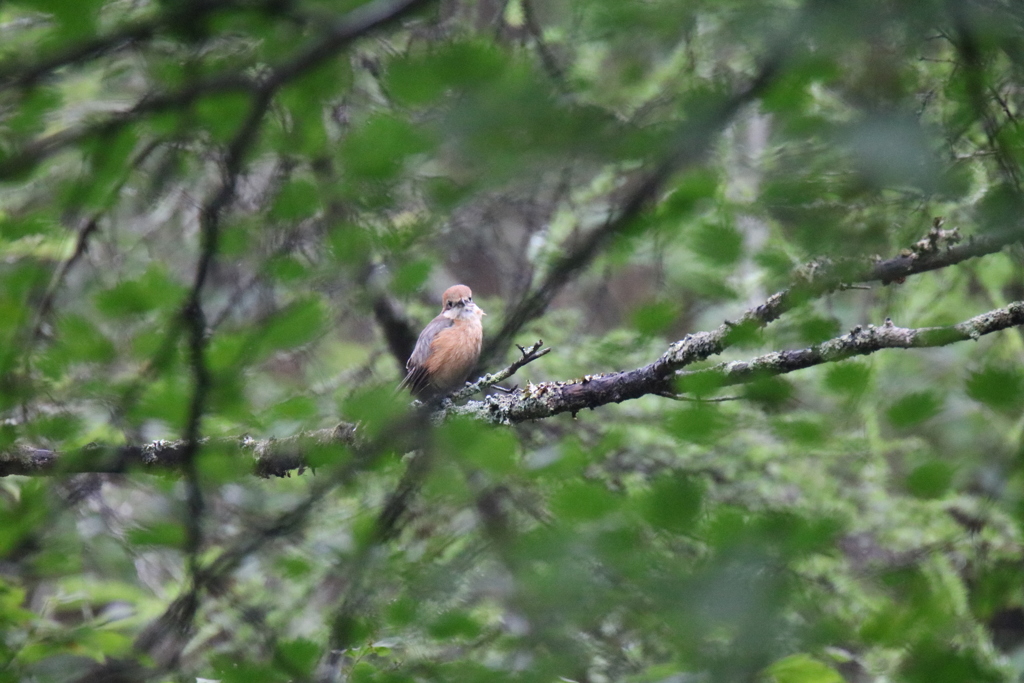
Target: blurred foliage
(860,521)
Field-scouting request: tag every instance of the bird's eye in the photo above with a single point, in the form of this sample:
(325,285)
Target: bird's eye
(448,305)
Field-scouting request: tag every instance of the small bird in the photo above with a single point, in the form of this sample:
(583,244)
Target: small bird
(448,347)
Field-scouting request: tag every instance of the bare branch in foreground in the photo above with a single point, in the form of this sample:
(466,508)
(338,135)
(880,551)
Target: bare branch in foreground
(269,457)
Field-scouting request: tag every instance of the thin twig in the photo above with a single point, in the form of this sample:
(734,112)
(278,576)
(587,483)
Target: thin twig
(529,355)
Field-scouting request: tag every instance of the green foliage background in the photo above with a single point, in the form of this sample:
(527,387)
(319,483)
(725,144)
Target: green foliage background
(859,521)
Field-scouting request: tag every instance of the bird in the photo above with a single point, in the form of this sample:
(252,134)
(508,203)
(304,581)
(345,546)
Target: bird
(447,348)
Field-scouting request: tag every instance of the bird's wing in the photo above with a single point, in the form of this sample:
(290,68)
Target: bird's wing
(416,377)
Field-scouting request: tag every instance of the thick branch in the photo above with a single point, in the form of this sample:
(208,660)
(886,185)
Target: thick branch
(592,391)
(860,341)
(551,398)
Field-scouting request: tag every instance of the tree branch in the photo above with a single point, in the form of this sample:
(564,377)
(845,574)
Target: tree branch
(592,391)
(550,398)
(529,355)
(860,341)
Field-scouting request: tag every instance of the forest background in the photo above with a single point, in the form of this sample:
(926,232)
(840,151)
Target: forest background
(762,261)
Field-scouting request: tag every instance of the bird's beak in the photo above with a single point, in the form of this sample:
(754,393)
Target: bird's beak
(471,305)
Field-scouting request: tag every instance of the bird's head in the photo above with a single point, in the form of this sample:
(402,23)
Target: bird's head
(457,303)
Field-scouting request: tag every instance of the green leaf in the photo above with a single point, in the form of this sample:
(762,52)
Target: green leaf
(33,111)
(583,501)
(802,668)
(454,624)
(721,244)
(294,567)
(1001,388)
(421,79)
(153,290)
(848,377)
(806,431)
(165,399)
(109,159)
(674,503)
(167,534)
(223,114)
(914,408)
(402,611)
(59,427)
(286,269)
(377,149)
(937,662)
(227,669)
(351,244)
(297,657)
(480,445)
(298,199)
(16,227)
(699,424)
(80,341)
(411,276)
(376,408)
(297,408)
(655,317)
(815,329)
(221,464)
(694,188)
(75,18)
(771,393)
(930,480)
(796,535)
(22,513)
(294,325)
(99,644)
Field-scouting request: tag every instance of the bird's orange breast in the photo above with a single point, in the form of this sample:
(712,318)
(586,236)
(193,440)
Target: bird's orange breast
(453,354)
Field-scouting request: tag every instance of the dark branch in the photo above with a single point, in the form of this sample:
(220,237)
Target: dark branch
(550,398)
(399,333)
